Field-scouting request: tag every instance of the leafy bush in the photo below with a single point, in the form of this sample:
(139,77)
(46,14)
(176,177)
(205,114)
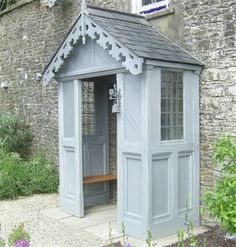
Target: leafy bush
(43,175)
(23,178)
(15,136)
(14,178)
(221,202)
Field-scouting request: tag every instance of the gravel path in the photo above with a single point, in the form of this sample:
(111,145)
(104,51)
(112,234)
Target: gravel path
(44,231)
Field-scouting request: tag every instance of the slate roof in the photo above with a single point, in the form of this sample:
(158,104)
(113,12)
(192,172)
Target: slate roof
(138,35)
(137,39)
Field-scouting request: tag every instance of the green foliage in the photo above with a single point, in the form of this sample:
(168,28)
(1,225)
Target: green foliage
(180,234)
(149,238)
(4,4)
(2,242)
(23,178)
(15,135)
(13,177)
(43,175)
(221,202)
(18,233)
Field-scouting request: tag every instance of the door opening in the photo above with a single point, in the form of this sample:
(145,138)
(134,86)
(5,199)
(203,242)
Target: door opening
(99,141)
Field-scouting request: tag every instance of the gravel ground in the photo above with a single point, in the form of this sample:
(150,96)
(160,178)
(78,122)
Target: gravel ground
(44,231)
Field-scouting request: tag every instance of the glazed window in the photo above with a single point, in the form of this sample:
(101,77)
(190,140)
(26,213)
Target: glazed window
(149,6)
(88,108)
(172,116)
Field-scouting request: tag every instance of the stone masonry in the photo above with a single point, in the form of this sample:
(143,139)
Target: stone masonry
(209,34)
(31,33)
(207,29)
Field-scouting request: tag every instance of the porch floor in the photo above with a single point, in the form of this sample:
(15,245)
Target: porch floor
(96,222)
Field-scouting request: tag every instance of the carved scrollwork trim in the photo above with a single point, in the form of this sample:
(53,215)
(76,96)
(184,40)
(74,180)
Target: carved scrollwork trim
(119,52)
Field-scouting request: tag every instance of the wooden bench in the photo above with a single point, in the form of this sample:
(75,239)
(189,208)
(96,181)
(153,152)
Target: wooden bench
(100,178)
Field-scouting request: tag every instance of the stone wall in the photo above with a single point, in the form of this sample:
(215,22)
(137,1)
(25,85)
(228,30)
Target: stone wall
(30,33)
(209,34)
(207,29)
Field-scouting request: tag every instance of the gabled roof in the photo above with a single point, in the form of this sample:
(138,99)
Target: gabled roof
(128,38)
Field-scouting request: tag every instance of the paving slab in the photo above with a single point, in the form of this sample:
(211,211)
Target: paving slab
(92,219)
(55,213)
(102,230)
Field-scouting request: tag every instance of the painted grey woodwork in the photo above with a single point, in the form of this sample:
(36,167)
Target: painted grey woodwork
(70,143)
(128,38)
(131,164)
(175,164)
(95,147)
(94,58)
(168,170)
(156,178)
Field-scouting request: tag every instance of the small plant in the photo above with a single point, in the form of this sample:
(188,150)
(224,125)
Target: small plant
(15,135)
(221,202)
(149,238)
(19,237)
(180,234)
(189,224)
(110,235)
(123,233)
(2,242)
(191,236)
(205,243)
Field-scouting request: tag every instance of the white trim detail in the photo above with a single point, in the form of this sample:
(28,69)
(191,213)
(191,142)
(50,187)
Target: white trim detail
(128,59)
(138,7)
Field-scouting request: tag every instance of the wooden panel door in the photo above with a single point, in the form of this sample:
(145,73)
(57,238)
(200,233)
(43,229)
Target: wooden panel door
(70,143)
(95,139)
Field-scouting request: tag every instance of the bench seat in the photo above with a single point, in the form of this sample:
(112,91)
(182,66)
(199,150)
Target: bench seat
(99,178)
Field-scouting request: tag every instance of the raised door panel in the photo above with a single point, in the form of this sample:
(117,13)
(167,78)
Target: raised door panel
(71,177)
(161,187)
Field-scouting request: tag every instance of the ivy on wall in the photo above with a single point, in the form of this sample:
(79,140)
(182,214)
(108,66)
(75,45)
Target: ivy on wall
(4,4)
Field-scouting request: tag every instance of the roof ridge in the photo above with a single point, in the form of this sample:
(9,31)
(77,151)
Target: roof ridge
(115,11)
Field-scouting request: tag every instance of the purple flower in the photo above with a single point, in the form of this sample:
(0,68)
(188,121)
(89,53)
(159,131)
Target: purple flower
(127,245)
(22,243)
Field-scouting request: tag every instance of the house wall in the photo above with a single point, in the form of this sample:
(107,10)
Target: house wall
(29,36)
(208,31)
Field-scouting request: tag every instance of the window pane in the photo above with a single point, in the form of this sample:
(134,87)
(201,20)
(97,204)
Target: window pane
(171,105)
(88,108)
(146,2)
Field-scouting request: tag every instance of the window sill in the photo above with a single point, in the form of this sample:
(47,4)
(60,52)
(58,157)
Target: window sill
(162,13)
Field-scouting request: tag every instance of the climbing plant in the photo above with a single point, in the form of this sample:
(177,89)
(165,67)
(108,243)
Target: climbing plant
(4,4)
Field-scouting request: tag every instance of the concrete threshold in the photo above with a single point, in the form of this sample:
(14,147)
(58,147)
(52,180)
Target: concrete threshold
(99,220)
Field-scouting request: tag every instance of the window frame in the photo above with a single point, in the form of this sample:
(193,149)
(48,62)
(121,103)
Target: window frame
(138,8)
(182,140)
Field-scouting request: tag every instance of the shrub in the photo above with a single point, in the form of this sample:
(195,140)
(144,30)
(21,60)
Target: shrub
(15,135)
(13,176)
(221,202)
(23,178)
(43,175)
